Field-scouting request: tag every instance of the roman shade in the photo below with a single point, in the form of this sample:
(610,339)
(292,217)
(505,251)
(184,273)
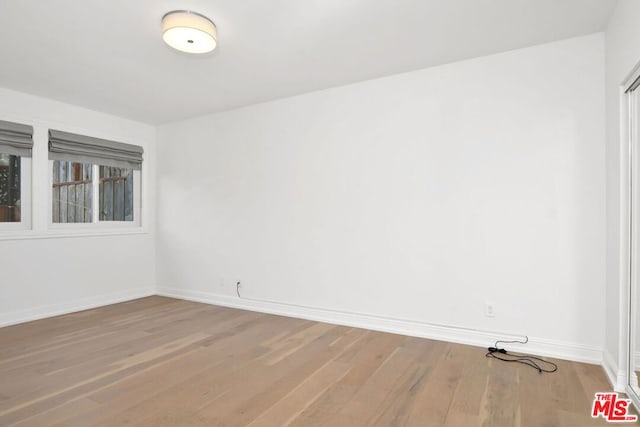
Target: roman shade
(634,85)
(85,149)
(16,139)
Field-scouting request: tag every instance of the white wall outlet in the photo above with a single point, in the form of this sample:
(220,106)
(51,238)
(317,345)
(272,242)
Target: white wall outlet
(489,310)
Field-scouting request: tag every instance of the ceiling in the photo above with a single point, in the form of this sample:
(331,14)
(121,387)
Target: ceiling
(108,55)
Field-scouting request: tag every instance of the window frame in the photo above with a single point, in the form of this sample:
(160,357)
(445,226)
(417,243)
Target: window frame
(26,194)
(96,223)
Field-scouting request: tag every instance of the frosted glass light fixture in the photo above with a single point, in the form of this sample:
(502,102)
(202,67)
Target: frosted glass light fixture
(189,31)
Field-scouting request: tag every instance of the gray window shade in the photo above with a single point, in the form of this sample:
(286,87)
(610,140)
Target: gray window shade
(634,85)
(85,149)
(16,139)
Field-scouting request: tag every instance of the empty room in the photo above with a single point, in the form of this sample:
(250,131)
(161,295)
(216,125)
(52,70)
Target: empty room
(319,213)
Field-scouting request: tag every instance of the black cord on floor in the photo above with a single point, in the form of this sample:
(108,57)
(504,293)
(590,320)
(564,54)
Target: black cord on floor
(537,363)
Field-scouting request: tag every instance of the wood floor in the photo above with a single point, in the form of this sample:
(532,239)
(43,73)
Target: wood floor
(165,362)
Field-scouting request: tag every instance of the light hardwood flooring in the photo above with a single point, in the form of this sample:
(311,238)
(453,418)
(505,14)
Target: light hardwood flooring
(164,362)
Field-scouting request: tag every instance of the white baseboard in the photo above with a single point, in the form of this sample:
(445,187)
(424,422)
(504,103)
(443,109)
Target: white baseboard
(614,374)
(542,347)
(21,316)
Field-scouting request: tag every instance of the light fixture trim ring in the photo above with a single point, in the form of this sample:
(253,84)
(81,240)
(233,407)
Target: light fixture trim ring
(190,12)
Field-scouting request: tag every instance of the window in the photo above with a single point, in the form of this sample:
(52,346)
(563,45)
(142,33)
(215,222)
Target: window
(16,142)
(72,192)
(116,194)
(94,180)
(9,188)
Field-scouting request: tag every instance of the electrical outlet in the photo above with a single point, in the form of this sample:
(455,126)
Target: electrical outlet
(489,310)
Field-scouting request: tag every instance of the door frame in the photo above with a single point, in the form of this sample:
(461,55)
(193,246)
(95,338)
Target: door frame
(629,229)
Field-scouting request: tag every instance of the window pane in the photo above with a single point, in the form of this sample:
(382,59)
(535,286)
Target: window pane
(72,192)
(116,194)
(9,188)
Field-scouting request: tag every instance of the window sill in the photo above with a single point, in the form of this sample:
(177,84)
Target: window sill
(69,233)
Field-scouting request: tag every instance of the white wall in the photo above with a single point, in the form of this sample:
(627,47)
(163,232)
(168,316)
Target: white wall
(420,196)
(622,54)
(43,273)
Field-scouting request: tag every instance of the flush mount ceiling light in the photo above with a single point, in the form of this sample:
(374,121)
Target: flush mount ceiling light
(189,31)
